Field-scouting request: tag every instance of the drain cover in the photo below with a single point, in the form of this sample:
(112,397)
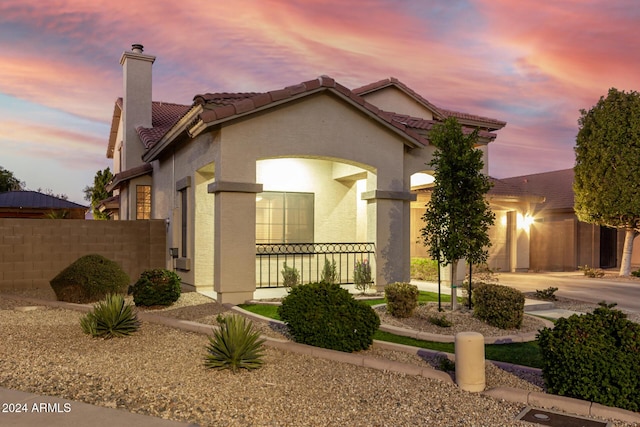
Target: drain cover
(556,419)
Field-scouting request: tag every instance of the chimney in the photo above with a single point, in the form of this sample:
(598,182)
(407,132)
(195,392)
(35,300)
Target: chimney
(136,102)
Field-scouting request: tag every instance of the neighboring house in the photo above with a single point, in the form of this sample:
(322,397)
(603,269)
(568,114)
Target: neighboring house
(249,181)
(32,204)
(510,234)
(559,242)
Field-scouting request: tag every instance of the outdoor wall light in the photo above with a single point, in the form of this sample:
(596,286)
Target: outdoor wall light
(525,221)
(173,252)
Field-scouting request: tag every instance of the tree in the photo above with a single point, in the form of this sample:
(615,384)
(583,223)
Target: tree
(607,170)
(98,192)
(8,182)
(458,216)
(49,192)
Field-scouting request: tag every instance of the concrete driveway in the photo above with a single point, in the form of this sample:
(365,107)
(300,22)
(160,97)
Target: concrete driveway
(577,286)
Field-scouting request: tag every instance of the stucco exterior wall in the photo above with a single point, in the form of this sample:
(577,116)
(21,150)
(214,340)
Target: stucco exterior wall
(319,127)
(553,244)
(392,99)
(335,200)
(180,165)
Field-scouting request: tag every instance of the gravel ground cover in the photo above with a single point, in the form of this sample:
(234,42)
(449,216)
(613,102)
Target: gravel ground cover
(159,371)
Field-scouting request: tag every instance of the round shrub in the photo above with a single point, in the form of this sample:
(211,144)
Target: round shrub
(402,299)
(326,315)
(499,306)
(156,287)
(595,357)
(89,279)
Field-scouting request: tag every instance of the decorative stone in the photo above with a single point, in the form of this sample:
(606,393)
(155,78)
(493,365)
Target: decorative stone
(29,308)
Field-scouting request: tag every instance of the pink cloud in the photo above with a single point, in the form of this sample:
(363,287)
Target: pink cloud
(65,146)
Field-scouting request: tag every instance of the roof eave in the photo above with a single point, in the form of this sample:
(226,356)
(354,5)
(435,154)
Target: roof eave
(514,198)
(413,141)
(113,133)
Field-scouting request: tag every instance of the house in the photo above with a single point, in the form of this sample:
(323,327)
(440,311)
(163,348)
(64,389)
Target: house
(32,204)
(559,241)
(249,182)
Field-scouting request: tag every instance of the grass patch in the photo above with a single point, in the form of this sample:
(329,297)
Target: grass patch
(266,310)
(526,354)
(423,297)
(398,339)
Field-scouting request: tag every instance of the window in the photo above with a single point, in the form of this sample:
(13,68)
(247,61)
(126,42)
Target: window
(284,217)
(143,202)
(183,222)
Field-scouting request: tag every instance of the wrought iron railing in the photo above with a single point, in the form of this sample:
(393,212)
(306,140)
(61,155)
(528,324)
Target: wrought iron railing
(308,259)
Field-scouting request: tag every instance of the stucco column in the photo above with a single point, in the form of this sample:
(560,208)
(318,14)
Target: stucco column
(234,240)
(388,219)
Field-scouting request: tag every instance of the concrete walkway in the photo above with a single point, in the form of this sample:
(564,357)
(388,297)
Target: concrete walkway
(22,409)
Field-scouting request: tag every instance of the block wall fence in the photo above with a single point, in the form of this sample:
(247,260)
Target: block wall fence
(34,251)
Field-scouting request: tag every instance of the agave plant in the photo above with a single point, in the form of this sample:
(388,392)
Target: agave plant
(234,345)
(111,317)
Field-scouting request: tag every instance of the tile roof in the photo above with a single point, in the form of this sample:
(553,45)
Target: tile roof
(35,200)
(556,186)
(216,108)
(495,124)
(223,98)
(163,116)
(424,126)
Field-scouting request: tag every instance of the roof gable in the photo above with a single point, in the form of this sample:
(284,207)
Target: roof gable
(438,113)
(395,84)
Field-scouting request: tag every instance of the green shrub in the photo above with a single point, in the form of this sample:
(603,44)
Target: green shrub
(156,287)
(362,276)
(591,272)
(595,357)
(110,318)
(636,273)
(424,269)
(546,294)
(326,315)
(441,321)
(499,306)
(235,345)
(89,279)
(290,276)
(402,299)
(329,272)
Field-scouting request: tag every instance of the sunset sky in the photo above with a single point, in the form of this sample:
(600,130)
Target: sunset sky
(533,64)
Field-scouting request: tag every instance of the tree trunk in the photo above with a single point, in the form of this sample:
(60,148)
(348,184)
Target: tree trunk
(625,265)
(454,297)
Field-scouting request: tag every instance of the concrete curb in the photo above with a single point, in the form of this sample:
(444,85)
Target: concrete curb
(426,336)
(537,399)
(565,404)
